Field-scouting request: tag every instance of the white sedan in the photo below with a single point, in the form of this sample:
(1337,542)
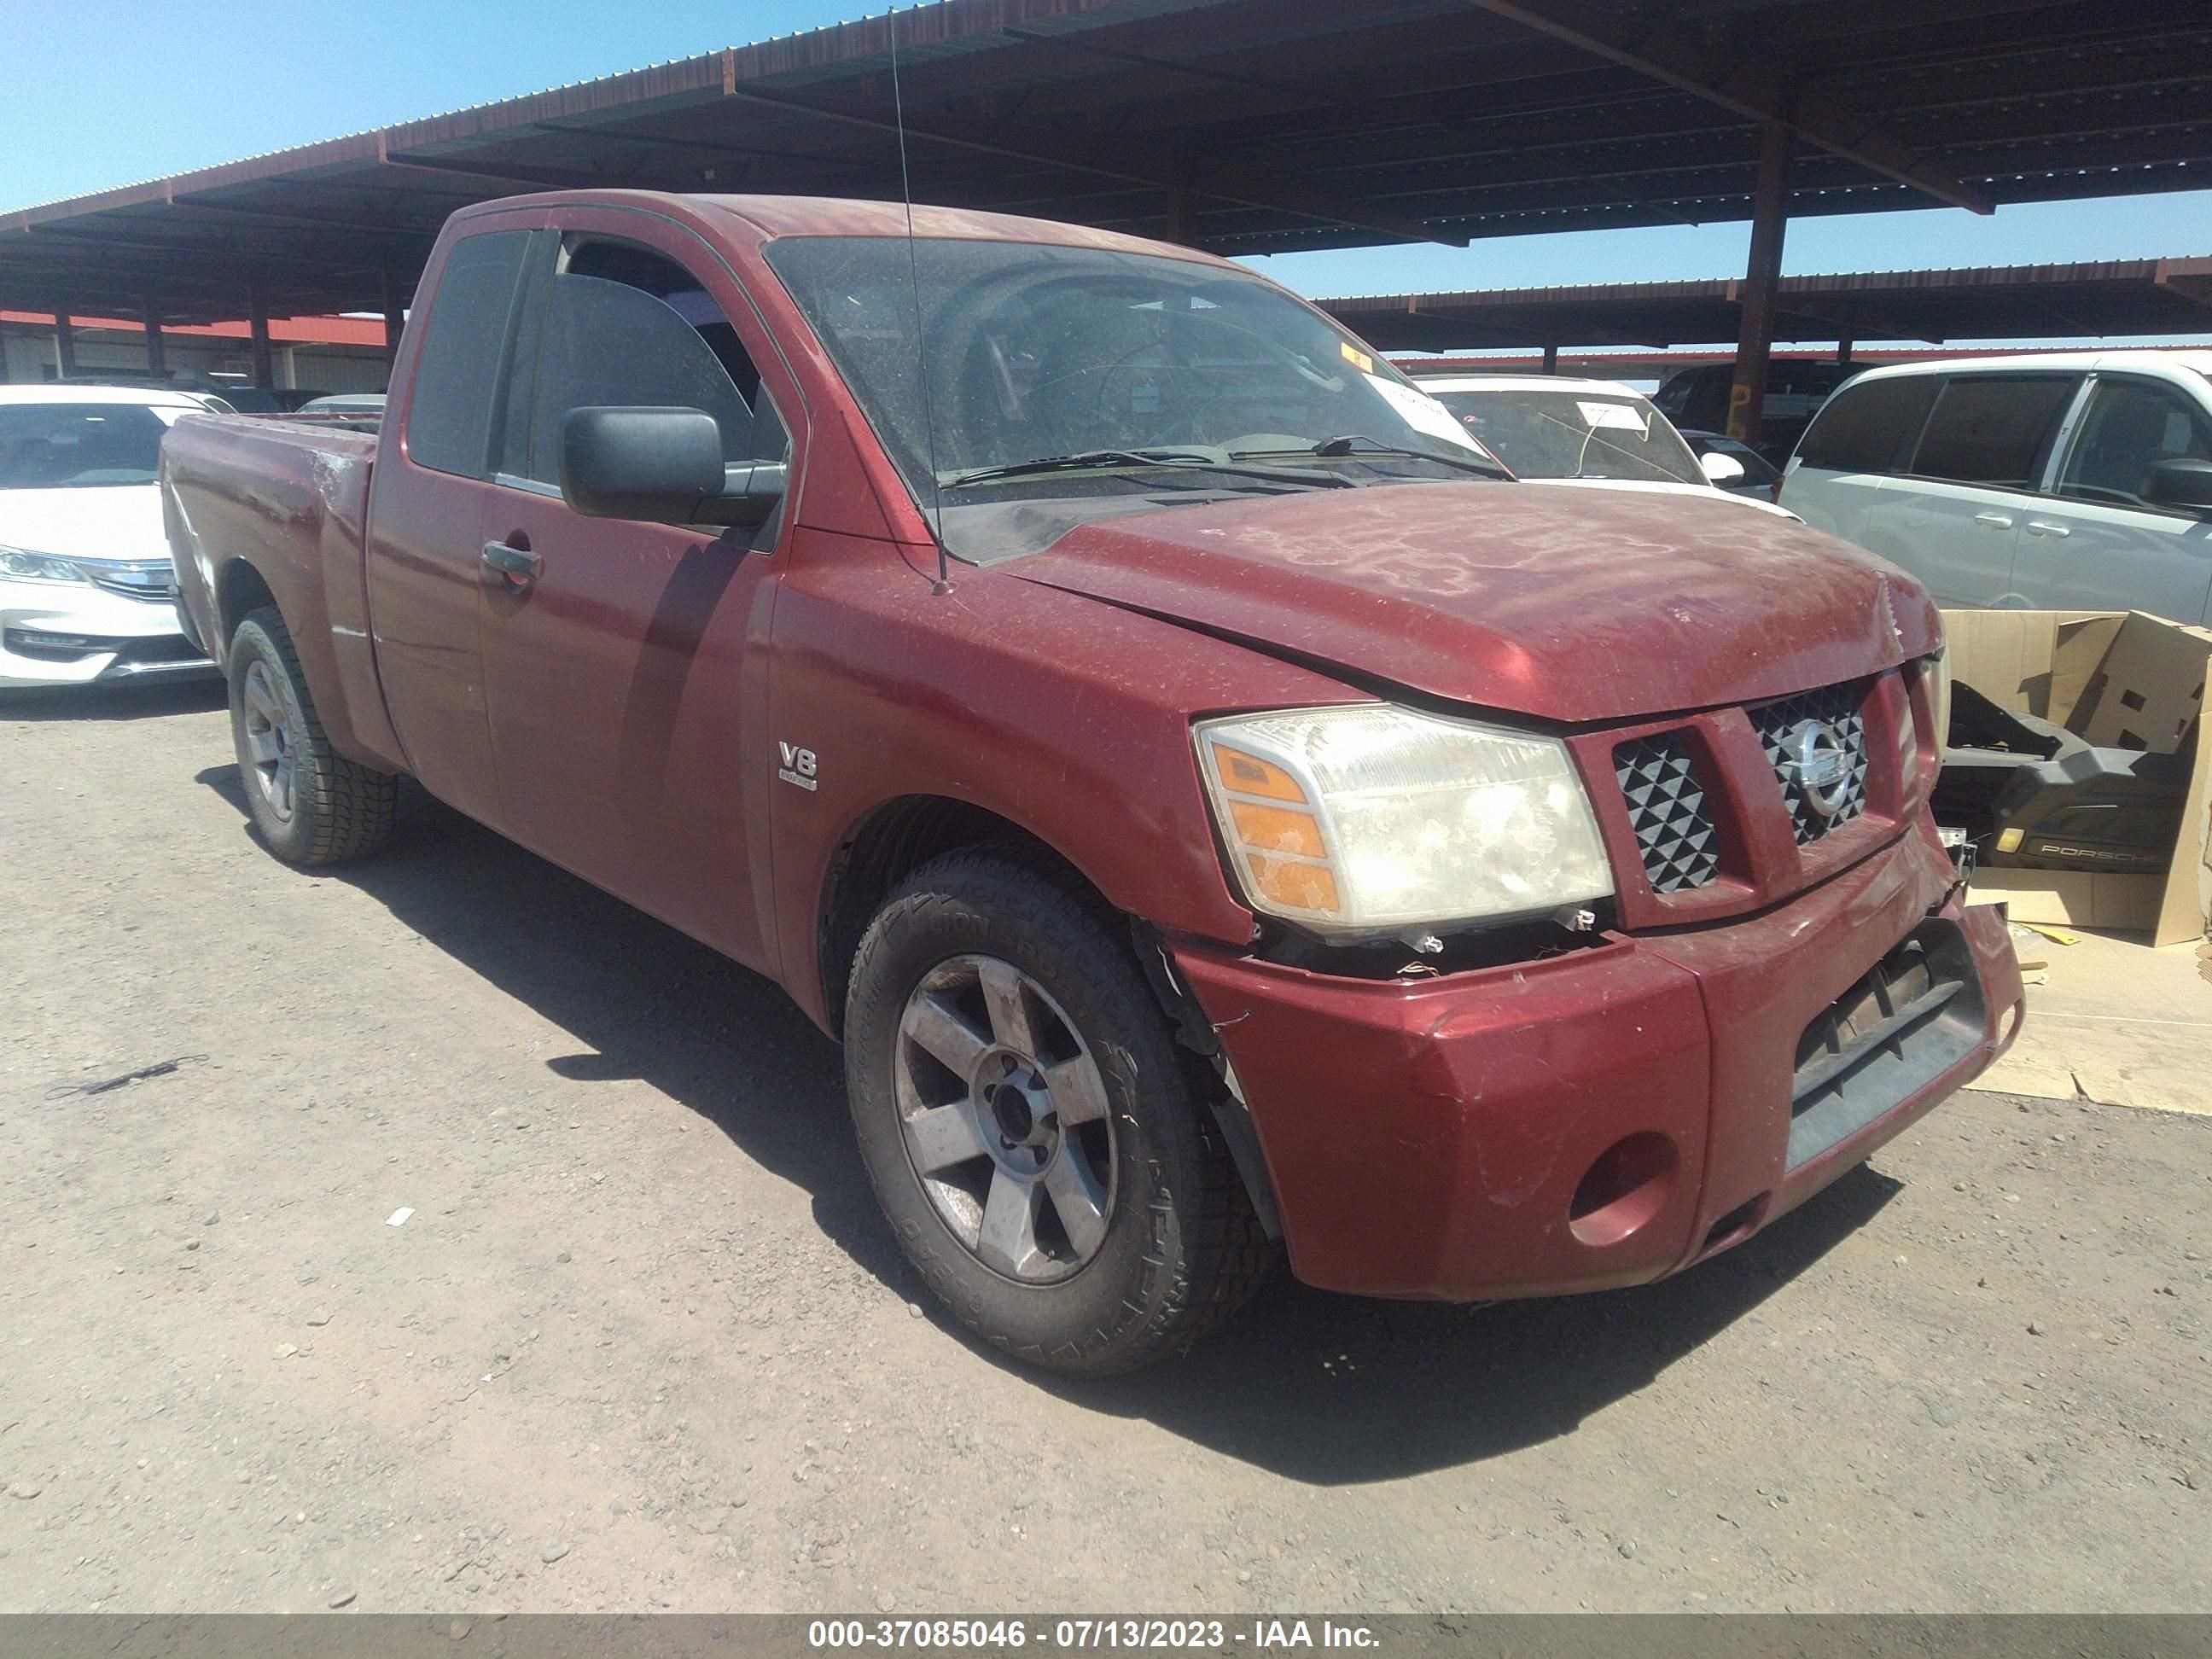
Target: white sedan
(1550,429)
(86,590)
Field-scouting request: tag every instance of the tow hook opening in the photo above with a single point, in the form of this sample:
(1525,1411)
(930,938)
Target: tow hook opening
(1623,1189)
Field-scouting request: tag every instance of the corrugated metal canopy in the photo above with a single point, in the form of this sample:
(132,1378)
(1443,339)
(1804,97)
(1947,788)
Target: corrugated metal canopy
(1246,126)
(1995,302)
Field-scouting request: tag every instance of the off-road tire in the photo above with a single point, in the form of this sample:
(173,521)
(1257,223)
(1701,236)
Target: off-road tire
(1183,1248)
(341,809)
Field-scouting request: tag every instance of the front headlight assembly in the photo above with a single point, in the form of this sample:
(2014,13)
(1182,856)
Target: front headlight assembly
(22,565)
(1369,820)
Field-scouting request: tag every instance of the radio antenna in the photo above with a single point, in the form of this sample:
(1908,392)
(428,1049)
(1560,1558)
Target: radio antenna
(921,345)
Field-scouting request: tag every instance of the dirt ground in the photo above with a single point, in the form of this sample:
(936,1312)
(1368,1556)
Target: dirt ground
(642,1341)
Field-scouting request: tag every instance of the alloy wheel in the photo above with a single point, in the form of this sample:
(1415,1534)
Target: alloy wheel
(269,741)
(1006,1120)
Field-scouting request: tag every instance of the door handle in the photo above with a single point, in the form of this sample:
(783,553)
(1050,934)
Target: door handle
(1995,520)
(2044,527)
(518,566)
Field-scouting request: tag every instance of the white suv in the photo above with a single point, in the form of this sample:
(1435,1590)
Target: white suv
(2072,481)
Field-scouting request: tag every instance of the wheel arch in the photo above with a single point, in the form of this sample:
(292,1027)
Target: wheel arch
(899,835)
(887,844)
(241,590)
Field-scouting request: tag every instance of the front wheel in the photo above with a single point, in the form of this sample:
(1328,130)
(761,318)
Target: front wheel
(1044,1150)
(311,803)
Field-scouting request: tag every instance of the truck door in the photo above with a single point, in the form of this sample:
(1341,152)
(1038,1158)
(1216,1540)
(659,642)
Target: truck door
(2098,543)
(423,571)
(622,662)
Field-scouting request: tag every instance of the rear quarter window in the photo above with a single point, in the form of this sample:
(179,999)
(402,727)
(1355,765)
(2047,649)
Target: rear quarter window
(457,372)
(1870,426)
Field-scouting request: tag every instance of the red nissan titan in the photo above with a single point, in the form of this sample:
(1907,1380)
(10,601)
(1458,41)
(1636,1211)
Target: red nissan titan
(1219,811)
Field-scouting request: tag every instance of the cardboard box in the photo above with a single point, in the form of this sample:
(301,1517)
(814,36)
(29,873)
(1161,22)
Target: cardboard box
(2115,678)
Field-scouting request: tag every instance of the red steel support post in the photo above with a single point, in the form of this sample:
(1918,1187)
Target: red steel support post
(1182,218)
(1770,216)
(394,319)
(265,366)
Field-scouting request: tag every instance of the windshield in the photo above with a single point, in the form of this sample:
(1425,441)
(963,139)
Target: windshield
(76,446)
(1035,352)
(1575,434)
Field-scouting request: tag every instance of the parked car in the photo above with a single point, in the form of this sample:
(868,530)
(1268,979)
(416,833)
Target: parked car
(345,403)
(1213,805)
(1698,397)
(2059,482)
(198,391)
(363,411)
(1760,478)
(255,399)
(1551,428)
(87,591)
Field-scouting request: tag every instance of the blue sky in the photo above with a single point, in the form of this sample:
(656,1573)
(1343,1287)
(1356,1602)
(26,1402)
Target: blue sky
(175,85)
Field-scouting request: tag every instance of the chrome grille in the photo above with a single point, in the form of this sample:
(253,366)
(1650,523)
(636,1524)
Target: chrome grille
(1666,809)
(1781,725)
(153,582)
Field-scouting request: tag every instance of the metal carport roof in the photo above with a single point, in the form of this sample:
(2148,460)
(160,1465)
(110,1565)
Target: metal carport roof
(1246,126)
(2010,303)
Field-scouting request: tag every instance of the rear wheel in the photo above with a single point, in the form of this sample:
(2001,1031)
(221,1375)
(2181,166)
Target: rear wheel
(311,803)
(1044,1148)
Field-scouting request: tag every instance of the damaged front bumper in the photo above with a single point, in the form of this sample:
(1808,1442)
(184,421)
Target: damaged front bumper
(1611,1116)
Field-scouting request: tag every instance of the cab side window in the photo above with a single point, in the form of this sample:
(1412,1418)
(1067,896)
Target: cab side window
(449,416)
(1994,428)
(2129,425)
(626,326)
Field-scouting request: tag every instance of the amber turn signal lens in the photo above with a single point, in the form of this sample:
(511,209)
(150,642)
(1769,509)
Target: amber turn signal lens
(1295,886)
(1276,830)
(1248,774)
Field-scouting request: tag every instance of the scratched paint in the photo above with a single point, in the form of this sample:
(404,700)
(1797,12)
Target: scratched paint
(1512,598)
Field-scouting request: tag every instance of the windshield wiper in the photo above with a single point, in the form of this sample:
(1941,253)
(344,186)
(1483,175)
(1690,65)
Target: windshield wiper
(1343,448)
(1103,460)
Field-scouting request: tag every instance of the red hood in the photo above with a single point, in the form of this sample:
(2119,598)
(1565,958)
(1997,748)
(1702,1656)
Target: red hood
(1566,605)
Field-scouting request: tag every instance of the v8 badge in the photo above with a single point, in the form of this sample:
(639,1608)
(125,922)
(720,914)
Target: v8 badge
(797,766)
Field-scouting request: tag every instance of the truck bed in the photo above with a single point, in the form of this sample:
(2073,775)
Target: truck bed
(287,499)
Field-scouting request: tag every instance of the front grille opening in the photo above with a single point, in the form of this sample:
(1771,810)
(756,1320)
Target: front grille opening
(44,646)
(153,587)
(1908,1019)
(1674,829)
(159,648)
(1825,729)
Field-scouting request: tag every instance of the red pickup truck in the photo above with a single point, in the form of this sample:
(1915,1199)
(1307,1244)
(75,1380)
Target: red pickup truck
(1216,806)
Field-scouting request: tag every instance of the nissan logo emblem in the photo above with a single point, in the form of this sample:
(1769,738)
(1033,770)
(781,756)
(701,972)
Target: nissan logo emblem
(1822,765)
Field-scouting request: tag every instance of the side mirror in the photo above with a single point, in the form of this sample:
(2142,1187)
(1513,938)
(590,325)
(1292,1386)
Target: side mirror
(1720,469)
(663,466)
(2181,482)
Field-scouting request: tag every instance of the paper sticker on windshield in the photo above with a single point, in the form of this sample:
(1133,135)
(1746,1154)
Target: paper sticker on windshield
(1619,415)
(1424,413)
(1359,358)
